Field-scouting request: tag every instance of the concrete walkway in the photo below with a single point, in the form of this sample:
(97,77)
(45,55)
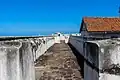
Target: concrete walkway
(58,63)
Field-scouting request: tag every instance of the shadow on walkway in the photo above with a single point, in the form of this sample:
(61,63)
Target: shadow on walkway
(80,59)
(59,63)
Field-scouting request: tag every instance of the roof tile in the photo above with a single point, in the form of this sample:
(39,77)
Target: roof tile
(102,24)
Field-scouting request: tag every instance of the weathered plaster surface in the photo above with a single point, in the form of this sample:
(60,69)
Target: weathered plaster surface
(17,57)
(9,61)
(107,58)
(105,76)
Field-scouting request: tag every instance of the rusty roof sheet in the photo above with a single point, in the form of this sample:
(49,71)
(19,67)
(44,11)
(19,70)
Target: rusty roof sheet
(102,24)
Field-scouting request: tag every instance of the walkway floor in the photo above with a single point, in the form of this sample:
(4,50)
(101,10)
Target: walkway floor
(58,63)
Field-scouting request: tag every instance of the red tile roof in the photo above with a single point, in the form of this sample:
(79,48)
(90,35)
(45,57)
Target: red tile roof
(102,24)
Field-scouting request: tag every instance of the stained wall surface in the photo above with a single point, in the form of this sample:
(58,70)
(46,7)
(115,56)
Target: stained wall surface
(102,58)
(17,57)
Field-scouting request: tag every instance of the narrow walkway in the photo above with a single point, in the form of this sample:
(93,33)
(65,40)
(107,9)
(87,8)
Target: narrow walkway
(58,63)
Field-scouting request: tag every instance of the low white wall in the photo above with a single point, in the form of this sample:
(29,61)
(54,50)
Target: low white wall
(67,37)
(77,43)
(27,61)
(105,76)
(9,63)
(17,57)
(89,72)
(101,54)
(57,39)
(44,47)
(16,61)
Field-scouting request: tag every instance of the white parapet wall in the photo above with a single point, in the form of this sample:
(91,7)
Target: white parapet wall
(101,58)
(77,43)
(9,61)
(61,37)
(27,61)
(106,76)
(44,46)
(16,61)
(66,37)
(17,57)
(104,55)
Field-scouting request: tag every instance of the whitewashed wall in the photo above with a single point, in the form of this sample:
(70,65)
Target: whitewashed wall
(108,60)
(67,39)
(57,39)
(17,57)
(105,76)
(44,47)
(16,61)
(77,43)
(107,57)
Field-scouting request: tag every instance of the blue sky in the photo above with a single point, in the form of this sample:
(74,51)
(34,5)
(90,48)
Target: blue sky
(31,17)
